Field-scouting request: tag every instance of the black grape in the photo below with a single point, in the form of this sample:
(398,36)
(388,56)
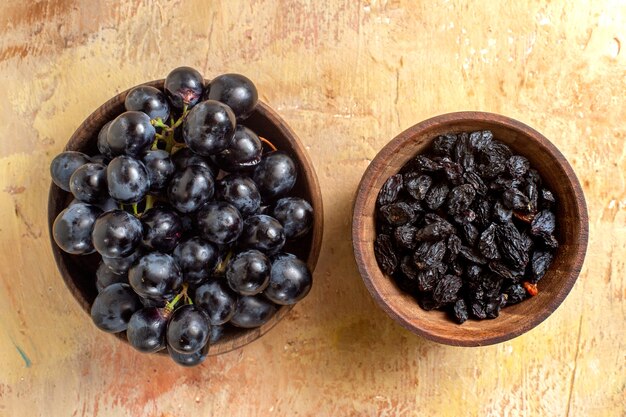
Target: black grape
(188,330)
(217,300)
(295,214)
(236,91)
(290,281)
(116,234)
(241,192)
(113,307)
(248,272)
(162,229)
(130,133)
(191,188)
(275,175)
(156,276)
(197,258)
(264,233)
(149,100)
(63,166)
(160,169)
(243,153)
(219,222)
(209,128)
(252,311)
(73,226)
(128,179)
(146,329)
(184,86)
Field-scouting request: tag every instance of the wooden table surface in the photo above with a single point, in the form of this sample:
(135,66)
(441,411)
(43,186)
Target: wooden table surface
(347,76)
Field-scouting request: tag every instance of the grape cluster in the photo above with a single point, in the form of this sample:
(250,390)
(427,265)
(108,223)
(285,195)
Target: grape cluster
(190,213)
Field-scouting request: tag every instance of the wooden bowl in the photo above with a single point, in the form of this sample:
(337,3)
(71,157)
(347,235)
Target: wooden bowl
(78,272)
(572,231)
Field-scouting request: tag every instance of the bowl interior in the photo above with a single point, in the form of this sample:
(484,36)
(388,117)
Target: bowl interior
(572,230)
(79,271)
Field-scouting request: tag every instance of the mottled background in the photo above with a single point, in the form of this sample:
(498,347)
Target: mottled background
(347,76)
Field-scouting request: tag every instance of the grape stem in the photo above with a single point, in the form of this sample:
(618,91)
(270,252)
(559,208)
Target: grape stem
(167,132)
(169,307)
(220,269)
(268,143)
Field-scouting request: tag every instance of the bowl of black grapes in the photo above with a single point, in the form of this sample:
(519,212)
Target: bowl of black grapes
(469,228)
(185,216)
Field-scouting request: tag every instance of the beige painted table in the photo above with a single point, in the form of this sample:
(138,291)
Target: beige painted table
(347,76)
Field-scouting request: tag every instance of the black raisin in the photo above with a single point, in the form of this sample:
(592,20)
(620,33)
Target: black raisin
(487,243)
(540,263)
(515,293)
(385,254)
(452,171)
(426,302)
(501,214)
(434,231)
(417,185)
(429,254)
(447,289)
(517,166)
(444,145)
(397,214)
(436,196)
(453,245)
(473,179)
(482,209)
(460,198)
(390,190)
(463,154)
(514,199)
(480,140)
(543,224)
(512,245)
(421,163)
(478,310)
(426,279)
(405,236)
(455,268)
(504,271)
(460,311)
(547,198)
(472,255)
(470,234)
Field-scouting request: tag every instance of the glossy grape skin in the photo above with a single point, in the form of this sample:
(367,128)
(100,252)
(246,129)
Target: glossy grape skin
(146,329)
(236,91)
(121,265)
(116,234)
(216,300)
(156,276)
(89,183)
(275,175)
(102,144)
(131,133)
(160,169)
(252,311)
(243,153)
(189,189)
(241,192)
(149,100)
(290,281)
(64,165)
(295,214)
(188,330)
(73,226)
(105,277)
(128,179)
(197,258)
(189,359)
(219,222)
(209,128)
(162,229)
(264,233)
(248,272)
(113,307)
(185,157)
(216,334)
(184,86)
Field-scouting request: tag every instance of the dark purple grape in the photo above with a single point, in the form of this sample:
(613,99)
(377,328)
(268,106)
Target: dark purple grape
(188,330)
(296,216)
(252,311)
(241,192)
(216,334)
(116,234)
(113,308)
(248,272)
(156,276)
(209,127)
(160,169)
(127,179)
(236,91)
(217,300)
(275,175)
(121,265)
(191,188)
(263,233)
(63,166)
(162,229)
(102,142)
(219,222)
(197,258)
(146,329)
(105,277)
(73,226)
(149,100)
(244,151)
(131,133)
(184,86)
(89,183)
(185,157)
(189,359)
(290,281)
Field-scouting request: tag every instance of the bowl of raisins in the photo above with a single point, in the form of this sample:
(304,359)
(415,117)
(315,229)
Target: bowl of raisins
(469,228)
(185,216)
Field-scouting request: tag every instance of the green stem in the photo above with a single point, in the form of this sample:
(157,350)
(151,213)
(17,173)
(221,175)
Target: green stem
(159,123)
(135,212)
(169,307)
(149,202)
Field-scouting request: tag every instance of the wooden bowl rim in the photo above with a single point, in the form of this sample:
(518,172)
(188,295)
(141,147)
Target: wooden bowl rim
(364,250)
(306,166)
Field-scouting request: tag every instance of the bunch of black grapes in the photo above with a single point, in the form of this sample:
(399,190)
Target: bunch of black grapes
(190,211)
